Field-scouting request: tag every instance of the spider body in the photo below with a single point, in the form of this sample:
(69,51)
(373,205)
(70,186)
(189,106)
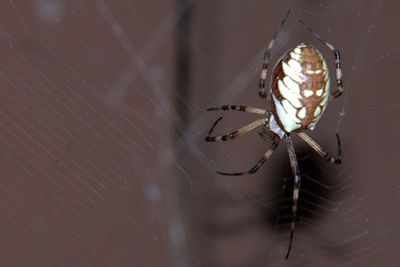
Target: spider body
(300,88)
(299,95)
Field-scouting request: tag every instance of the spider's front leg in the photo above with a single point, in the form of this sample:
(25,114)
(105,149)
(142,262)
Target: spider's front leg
(296,188)
(257,166)
(311,142)
(242,131)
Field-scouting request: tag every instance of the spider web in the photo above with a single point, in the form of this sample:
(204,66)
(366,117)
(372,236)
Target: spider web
(103,157)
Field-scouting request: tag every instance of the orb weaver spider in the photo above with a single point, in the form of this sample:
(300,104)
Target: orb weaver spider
(299,95)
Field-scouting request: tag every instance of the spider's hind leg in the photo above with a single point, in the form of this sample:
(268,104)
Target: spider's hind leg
(267,54)
(336,54)
(239,132)
(242,108)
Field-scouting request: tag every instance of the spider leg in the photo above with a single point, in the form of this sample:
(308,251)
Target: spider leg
(241,131)
(296,189)
(255,168)
(267,54)
(336,53)
(311,142)
(240,108)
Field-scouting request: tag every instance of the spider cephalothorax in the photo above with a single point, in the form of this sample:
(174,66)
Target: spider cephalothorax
(300,92)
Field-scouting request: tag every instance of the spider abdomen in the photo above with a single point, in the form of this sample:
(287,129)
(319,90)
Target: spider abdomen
(300,88)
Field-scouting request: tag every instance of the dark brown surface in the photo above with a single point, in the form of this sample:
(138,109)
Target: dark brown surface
(103,159)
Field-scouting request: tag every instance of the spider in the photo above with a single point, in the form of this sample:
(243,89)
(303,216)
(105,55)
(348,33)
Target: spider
(299,95)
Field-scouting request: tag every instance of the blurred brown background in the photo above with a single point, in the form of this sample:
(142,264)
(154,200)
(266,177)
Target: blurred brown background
(103,160)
